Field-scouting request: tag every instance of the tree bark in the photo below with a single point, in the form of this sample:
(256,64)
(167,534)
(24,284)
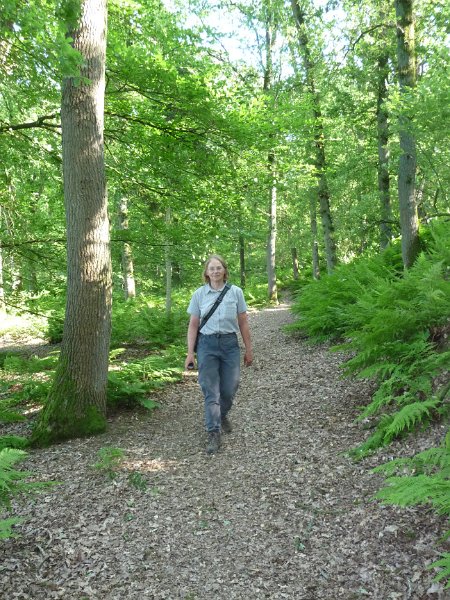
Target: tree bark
(383,153)
(271,166)
(409,221)
(272,237)
(242,261)
(294,263)
(129,283)
(168,263)
(319,138)
(314,237)
(77,401)
(2,289)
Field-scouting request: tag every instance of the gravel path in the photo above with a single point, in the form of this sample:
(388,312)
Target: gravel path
(280,512)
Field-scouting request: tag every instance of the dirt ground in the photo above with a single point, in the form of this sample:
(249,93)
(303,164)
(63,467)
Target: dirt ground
(280,512)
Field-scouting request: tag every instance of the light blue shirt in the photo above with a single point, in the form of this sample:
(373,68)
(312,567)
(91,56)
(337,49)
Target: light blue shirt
(224,319)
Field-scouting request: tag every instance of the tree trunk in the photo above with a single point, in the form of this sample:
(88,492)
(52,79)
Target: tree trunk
(242,260)
(294,263)
(409,221)
(2,289)
(129,284)
(12,265)
(271,165)
(383,153)
(319,138)
(30,282)
(76,405)
(241,246)
(168,263)
(272,237)
(324,198)
(314,237)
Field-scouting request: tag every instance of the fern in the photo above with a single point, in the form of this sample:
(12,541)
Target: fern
(13,441)
(375,441)
(12,484)
(10,479)
(418,489)
(6,526)
(427,481)
(390,427)
(444,562)
(409,417)
(10,416)
(425,462)
(133,382)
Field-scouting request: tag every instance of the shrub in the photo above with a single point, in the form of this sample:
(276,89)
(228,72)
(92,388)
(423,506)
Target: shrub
(325,307)
(142,321)
(399,347)
(422,479)
(130,383)
(395,326)
(13,441)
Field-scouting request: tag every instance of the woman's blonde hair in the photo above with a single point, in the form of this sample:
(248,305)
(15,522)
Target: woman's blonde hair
(222,262)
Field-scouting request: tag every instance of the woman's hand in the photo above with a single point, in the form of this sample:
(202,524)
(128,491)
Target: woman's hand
(189,363)
(245,332)
(194,323)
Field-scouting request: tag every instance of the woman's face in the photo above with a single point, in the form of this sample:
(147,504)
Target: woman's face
(215,271)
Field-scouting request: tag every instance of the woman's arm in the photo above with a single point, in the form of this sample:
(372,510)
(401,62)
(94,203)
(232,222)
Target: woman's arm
(194,323)
(245,332)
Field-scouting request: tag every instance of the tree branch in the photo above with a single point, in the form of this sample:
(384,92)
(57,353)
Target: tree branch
(27,242)
(40,122)
(365,32)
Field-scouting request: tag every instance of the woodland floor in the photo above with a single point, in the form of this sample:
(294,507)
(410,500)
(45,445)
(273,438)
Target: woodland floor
(280,512)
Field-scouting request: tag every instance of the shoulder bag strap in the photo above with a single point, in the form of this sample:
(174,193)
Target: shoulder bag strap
(215,305)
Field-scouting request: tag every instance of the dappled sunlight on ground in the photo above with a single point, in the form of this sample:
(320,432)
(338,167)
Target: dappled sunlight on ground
(149,466)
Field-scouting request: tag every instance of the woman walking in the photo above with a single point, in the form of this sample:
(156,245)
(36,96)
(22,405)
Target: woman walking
(220,311)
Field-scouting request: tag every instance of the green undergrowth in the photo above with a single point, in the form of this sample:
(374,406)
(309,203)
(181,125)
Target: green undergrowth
(423,479)
(324,308)
(143,320)
(394,326)
(131,382)
(13,483)
(147,353)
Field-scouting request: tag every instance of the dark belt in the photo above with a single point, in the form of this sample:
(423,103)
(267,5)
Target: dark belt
(217,335)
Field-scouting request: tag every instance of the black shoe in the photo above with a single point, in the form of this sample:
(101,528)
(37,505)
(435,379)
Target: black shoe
(226,425)
(213,444)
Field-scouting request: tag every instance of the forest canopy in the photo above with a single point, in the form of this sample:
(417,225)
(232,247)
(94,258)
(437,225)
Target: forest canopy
(294,137)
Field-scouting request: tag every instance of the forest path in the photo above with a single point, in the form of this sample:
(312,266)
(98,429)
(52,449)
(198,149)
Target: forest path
(279,512)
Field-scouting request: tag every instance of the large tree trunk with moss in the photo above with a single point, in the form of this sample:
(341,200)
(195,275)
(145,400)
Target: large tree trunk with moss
(409,221)
(76,404)
(323,192)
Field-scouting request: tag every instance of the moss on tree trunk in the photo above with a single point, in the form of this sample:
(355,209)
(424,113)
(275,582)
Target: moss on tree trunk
(69,413)
(76,404)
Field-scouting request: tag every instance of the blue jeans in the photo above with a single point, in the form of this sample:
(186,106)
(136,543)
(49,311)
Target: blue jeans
(219,364)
